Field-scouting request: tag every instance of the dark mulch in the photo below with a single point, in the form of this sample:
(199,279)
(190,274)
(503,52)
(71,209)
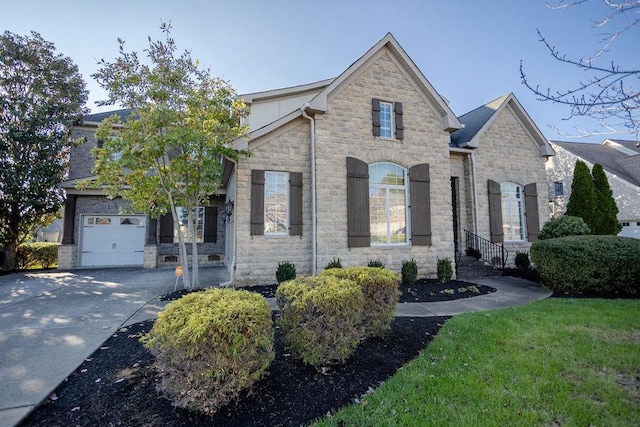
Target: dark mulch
(116,385)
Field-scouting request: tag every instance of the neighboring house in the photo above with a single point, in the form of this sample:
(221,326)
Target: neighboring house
(370,165)
(620,160)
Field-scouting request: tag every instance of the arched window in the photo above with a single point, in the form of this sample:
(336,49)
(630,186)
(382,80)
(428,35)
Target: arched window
(512,211)
(388,204)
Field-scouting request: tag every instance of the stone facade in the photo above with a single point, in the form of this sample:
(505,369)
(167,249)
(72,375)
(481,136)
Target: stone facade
(507,153)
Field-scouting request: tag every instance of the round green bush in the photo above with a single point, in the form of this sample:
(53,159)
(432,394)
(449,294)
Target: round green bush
(211,345)
(321,318)
(564,226)
(589,264)
(444,270)
(409,271)
(380,289)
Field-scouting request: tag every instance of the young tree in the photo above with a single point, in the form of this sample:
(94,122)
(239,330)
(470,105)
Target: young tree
(607,208)
(607,93)
(169,152)
(41,95)
(583,201)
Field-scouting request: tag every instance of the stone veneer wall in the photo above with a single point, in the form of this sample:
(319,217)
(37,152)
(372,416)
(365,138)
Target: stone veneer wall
(80,159)
(287,150)
(508,154)
(346,130)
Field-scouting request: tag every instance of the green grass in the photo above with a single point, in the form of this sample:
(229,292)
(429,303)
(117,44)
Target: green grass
(568,362)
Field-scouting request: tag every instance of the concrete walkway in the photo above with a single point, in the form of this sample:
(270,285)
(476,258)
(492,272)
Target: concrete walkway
(51,321)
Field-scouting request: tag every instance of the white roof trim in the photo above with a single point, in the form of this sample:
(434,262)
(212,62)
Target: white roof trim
(285,92)
(449,120)
(243,143)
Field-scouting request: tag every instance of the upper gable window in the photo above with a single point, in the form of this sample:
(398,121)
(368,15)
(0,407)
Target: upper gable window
(387,119)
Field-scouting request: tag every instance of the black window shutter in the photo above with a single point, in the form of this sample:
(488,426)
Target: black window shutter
(257,202)
(375,114)
(531,210)
(358,230)
(495,212)
(398,120)
(295,201)
(210,224)
(166,228)
(420,194)
(152,227)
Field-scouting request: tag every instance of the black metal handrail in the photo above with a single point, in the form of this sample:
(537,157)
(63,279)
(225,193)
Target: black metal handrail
(485,250)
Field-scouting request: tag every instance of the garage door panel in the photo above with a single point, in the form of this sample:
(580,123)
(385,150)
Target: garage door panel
(112,240)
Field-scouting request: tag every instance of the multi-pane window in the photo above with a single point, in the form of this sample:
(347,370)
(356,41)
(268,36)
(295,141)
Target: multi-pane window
(186,229)
(558,189)
(276,206)
(512,211)
(387,204)
(386,120)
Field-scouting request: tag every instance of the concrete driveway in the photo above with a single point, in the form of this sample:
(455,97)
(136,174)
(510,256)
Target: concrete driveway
(51,321)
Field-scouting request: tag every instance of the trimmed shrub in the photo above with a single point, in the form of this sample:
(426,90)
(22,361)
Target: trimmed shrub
(583,201)
(376,263)
(211,345)
(589,264)
(409,271)
(522,261)
(334,263)
(444,270)
(321,318)
(380,289)
(286,271)
(44,254)
(562,226)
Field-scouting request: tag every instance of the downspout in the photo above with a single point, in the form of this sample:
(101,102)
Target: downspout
(475,192)
(312,136)
(232,264)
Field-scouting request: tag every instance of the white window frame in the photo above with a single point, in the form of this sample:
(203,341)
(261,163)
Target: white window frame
(510,203)
(373,186)
(186,232)
(269,226)
(386,131)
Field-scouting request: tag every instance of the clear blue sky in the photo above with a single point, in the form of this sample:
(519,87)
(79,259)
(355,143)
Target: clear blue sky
(469,50)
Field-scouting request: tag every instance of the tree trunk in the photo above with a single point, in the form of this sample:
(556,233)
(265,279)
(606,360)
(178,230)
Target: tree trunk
(11,244)
(194,249)
(186,282)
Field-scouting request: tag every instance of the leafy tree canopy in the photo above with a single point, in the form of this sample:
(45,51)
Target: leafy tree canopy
(41,95)
(169,151)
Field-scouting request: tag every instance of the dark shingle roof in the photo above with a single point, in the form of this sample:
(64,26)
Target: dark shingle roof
(98,117)
(474,121)
(625,166)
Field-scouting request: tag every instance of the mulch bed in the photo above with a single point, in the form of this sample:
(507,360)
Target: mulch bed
(117,385)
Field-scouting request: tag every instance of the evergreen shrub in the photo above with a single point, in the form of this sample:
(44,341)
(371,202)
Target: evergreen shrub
(589,264)
(286,271)
(376,263)
(522,261)
(321,318)
(334,263)
(409,271)
(211,345)
(44,254)
(444,270)
(562,226)
(380,289)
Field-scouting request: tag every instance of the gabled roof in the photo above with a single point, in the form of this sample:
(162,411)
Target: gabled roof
(449,120)
(477,121)
(95,119)
(618,162)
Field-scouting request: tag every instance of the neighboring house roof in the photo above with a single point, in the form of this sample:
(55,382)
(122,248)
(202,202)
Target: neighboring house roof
(477,121)
(618,157)
(95,119)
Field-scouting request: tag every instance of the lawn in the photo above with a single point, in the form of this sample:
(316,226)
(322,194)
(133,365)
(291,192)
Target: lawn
(556,362)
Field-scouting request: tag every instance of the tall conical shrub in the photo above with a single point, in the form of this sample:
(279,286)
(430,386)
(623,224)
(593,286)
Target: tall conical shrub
(607,210)
(584,198)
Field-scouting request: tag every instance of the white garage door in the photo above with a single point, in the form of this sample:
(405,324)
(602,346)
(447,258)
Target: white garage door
(112,240)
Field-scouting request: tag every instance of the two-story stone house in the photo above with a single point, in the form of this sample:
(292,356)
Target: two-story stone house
(372,164)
